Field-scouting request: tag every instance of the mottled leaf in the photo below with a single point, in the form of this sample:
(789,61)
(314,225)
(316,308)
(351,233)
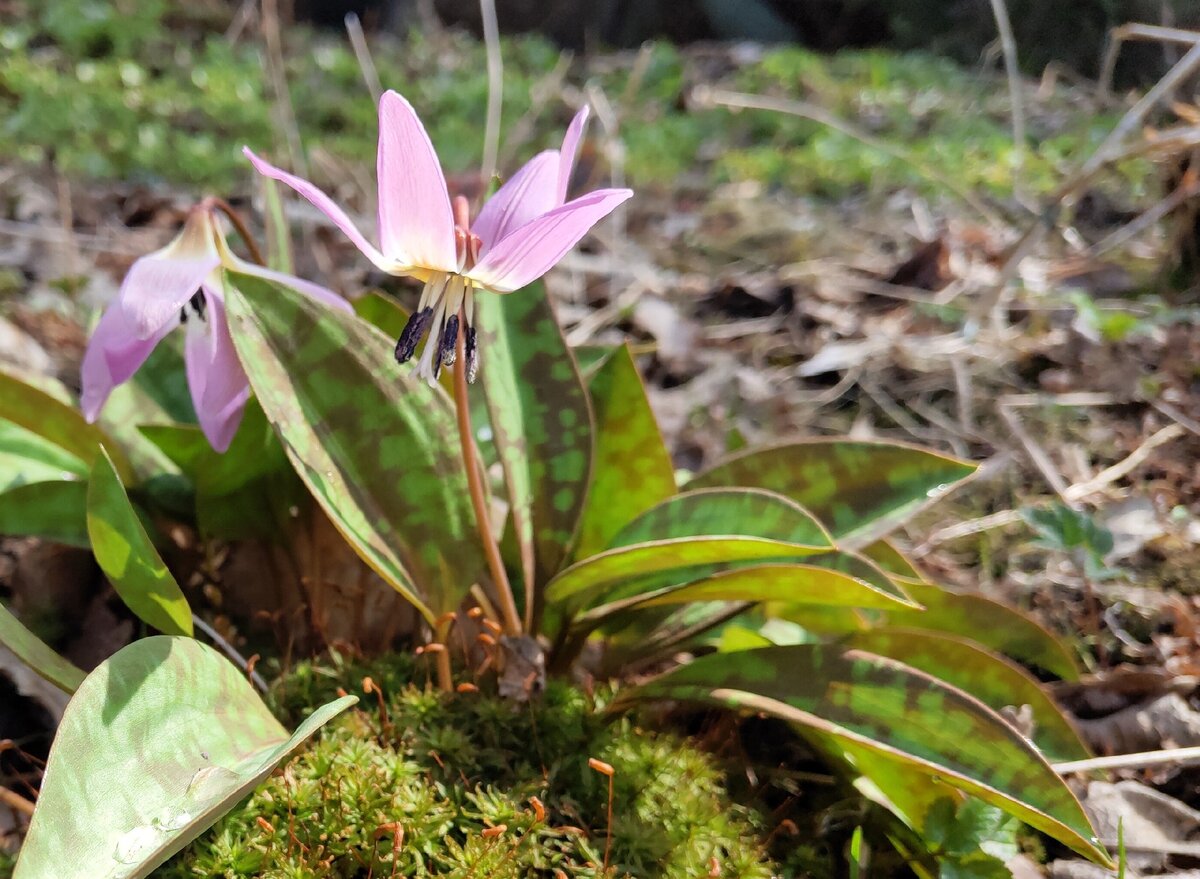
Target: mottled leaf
(37,654)
(994,680)
(541,422)
(382,312)
(859,490)
(884,706)
(885,554)
(128,557)
(26,457)
(48,416)
(632,470)
(54,511)
(376,447)
(988,622)
(743,511)
(158,742)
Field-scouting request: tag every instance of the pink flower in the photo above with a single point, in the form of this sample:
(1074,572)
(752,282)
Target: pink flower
(522,231)
(182,283)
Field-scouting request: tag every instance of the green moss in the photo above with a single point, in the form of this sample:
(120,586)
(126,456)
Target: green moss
(8,863)
(446,768)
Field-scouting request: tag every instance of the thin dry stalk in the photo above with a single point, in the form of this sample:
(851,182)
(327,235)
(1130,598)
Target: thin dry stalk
(1126,465)
(1118,36)
(1035,452)
(362,54)
(15,801)
(1130,761)
(1008,45)
(495,71)
(232,652)
(1190,188)
(285,113)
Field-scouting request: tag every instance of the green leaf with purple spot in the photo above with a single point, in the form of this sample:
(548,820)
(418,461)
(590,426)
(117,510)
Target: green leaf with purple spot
(859,490)
(884,706)
(376,447)
(994,680)
(160,741)
(541,422)
(633,469)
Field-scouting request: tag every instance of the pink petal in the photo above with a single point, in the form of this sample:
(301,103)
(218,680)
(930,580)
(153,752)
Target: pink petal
(528,194)
(215,376)
(159,283)
(326,205)
(531,251)
(308,288)
(113,355)
(570,149)
(415,218)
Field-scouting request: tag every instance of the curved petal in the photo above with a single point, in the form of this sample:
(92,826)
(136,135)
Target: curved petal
(392,263)
(215,376)
(415,218)
(308,288)
(531,251)
(569,151)
(158,284)
(113,355)
(528,194)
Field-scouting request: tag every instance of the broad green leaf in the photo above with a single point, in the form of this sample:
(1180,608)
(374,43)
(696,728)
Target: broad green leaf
(48,416)
(743,511)
(792,583)
(686,558)
(994,680)
(382,312)
(26,457)
(859,490)
(158,742)
(377,448)
(37,654)
(885,554)
(128,557)
(878,704)
(243,492)
(632,470)
(541,422)
(988,622)
(51,510)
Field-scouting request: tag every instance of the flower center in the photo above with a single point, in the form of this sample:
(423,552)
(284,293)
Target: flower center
(198,305)
(446,296)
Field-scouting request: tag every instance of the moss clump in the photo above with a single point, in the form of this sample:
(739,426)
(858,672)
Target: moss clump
(416,793)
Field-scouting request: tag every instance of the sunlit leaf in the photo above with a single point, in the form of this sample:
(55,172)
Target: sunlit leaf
(376,446)
(744,511)
(48,416)
(158,742)
(859,490)
(36,654)
(26,457)
(128,557)
(632,470)
(51,510)
(988,622)
(881,705)
(994,680)
(541,422)
(885,554)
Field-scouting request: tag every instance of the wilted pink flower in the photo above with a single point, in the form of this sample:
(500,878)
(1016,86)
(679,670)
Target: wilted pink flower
(182,284)
(522,231)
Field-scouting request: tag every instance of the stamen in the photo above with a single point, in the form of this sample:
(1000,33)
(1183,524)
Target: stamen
(183,314)
(198,304)
(449,342)
(417,324)
(472,355)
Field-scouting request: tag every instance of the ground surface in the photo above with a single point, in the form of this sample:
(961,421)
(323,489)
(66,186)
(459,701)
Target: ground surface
(849,272)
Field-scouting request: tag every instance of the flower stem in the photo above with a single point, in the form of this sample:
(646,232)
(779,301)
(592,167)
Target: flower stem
(504,594)
(240,225)
(445,677)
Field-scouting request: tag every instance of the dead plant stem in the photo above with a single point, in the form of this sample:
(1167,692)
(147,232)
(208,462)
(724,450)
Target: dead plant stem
(240,225)
(462,406)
